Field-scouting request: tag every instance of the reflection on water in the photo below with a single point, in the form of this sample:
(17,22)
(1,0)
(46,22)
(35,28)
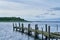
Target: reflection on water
(6,30)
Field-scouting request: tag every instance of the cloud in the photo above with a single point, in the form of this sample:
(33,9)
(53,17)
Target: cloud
(28,9)
(56,8)
(14,8)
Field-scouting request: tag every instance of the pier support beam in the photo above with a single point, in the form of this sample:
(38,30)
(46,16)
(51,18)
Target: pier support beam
(49,32)
(29,31)
(36,33)
(13,27)
(42,34)
(45,31)
(22,28)
(19,27)
(19,24)
(16,26)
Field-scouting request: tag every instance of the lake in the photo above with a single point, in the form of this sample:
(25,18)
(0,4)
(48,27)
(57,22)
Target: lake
(6,30)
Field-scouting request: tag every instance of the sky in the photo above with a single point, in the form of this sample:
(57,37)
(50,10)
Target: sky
(32,10)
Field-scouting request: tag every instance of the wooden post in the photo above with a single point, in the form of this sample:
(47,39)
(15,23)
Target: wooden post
(36,33)
(52,39)
(19,27)
(42,33)
(57,32)
(13,27)
(16,26)
(49,32)
(19,24)
(56,38)
(22,28)
(29,32)
(46,31)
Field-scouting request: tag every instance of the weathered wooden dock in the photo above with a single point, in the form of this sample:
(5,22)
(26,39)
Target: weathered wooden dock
(48,35)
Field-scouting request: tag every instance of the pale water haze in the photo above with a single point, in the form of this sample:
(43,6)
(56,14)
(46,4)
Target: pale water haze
(35,10)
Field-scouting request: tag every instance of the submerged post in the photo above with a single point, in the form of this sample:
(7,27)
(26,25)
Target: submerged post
(46,31)
(29,31)
(36,33)
(22,28)
(49,32)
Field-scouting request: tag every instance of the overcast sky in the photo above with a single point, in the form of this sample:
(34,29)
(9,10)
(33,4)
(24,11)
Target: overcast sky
(31,9)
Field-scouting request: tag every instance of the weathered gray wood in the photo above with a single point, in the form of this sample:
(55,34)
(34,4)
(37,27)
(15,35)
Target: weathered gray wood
(42,33)
(19,24)
(46,31)
(22,28)
(19,27)
(29,31)
(49,32)
(16,26)
(56,38)
(13,27)
(57,32)
(36,33)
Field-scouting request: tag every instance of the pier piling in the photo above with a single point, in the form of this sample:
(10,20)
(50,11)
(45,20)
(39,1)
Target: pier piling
(42,33)
(46,31)
(49,32)
(13,27)
(16,26)
(19,24)
(36,33)
(22,28)
(29,31)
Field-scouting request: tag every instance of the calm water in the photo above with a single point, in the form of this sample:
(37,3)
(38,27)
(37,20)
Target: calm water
(6,30)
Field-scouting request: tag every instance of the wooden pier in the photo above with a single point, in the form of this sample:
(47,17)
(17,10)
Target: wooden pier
(28,30)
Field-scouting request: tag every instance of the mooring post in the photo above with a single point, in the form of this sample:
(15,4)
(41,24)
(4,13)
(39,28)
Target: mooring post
(49,32)
(22,28)
(36,33)
(46,31)
(42,33)
(13,27)
(29,31)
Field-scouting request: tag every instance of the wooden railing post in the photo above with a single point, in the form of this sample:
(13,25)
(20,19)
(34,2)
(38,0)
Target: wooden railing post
(29,31)
(46,31)
(49,32)
(22,28)
(36,33)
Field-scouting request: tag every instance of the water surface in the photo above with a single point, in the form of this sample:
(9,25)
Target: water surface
(6,30)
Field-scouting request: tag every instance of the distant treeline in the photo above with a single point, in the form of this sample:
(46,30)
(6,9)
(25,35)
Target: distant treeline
(10,19)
